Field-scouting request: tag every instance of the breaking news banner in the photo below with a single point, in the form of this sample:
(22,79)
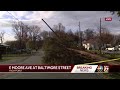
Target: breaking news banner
(60,68)
(90,69)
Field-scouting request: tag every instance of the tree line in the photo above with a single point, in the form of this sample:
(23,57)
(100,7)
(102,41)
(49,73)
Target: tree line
(33,37)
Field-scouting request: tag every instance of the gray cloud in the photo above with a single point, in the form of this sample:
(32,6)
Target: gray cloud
(88,19)
(70,19)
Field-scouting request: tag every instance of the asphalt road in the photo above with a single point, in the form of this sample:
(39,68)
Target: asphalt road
(37,59)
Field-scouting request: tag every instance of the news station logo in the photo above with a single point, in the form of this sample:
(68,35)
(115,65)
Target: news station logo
(100,68)
(108,19)
(106,69)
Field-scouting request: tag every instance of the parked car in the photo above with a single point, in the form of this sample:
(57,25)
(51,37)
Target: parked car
(28,51)
(110,48)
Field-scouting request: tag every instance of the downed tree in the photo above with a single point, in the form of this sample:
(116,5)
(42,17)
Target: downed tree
(94,57)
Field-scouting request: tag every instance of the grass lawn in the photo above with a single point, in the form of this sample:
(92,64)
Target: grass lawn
(94,51)
(109,56)
(13,56)
(112,75)
(9,58)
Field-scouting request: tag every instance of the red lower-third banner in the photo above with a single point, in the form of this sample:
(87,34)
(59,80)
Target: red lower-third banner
(36,68)
(61,68)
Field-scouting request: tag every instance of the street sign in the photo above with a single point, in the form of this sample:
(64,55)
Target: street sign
(108,19)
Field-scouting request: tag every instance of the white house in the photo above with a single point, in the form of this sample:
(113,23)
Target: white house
(90,44)
(87,46)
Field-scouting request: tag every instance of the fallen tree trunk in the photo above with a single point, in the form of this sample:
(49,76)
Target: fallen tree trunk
(89,55)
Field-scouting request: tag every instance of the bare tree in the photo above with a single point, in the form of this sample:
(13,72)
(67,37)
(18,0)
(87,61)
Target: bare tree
(105,38)
(70,32)
(44,34)
(89,34)
(1,48)
(20,31)
(59,27)
(34,35)
(116,39)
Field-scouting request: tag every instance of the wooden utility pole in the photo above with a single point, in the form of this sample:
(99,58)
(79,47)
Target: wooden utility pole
(59,27)
(80,35)
(1,37)
(100,37)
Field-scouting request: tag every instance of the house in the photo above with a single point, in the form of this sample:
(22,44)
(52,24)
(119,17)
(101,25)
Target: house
(90,44)
(4,48)
(87,46)
(4,45)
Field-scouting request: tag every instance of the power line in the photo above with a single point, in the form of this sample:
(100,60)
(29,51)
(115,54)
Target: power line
(22,29)
(13,16)
(17,19)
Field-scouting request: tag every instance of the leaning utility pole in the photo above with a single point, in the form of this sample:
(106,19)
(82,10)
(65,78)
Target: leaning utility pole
(100,37)
(80,35)
(59,40)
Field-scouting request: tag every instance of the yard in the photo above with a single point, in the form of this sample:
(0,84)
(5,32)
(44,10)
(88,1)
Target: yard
(112,75)
(109,55)
(6,57)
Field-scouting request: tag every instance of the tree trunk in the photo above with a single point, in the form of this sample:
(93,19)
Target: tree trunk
(0,56)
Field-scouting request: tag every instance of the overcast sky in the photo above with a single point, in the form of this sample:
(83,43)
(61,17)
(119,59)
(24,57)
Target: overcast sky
(70,19)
